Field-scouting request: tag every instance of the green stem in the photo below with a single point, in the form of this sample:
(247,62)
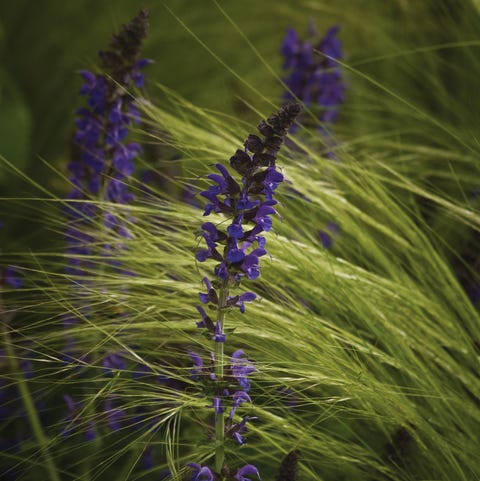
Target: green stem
(29,406)
(219,372)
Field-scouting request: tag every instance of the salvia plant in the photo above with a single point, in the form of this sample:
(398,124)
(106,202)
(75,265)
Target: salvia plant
(101,173)
(248,205)
(314,74)
(104,159)
(315,77)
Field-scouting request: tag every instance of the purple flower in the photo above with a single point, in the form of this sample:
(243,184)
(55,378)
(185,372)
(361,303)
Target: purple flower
(251,264)
(206,321)
(234,254)
(114,415)
(12,277)
(210,295)
(114,362)
(247,470)
(219,336)
(238,397)
(237,430)
(200,473)
(241,368)
(197,363)
(262,218)
(239,301)
(123,158)
(235,230)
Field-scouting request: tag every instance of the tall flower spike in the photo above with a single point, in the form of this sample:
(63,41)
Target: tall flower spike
(103,160)
(100,169)
(249,204)
(314,76)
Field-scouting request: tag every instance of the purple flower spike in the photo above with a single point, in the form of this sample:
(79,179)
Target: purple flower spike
(315,79)
(104,161)
(247,470)
(248,206)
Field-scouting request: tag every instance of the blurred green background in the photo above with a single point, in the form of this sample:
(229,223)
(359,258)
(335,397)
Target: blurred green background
(44,44)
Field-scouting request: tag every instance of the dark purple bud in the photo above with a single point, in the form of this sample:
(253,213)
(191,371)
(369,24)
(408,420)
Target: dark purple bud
(263,160)
(253,144)
(265,129)
(273,143)
(241,162)
(233,187)
(288,467)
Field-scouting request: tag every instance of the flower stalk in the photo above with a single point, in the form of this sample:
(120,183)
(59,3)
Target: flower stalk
(219,373)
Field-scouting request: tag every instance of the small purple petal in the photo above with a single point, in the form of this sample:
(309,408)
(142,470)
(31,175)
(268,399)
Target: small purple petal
(219,335)
(247,470)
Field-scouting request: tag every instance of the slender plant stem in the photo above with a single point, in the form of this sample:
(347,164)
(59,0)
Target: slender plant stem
(219,372)
(29,406)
